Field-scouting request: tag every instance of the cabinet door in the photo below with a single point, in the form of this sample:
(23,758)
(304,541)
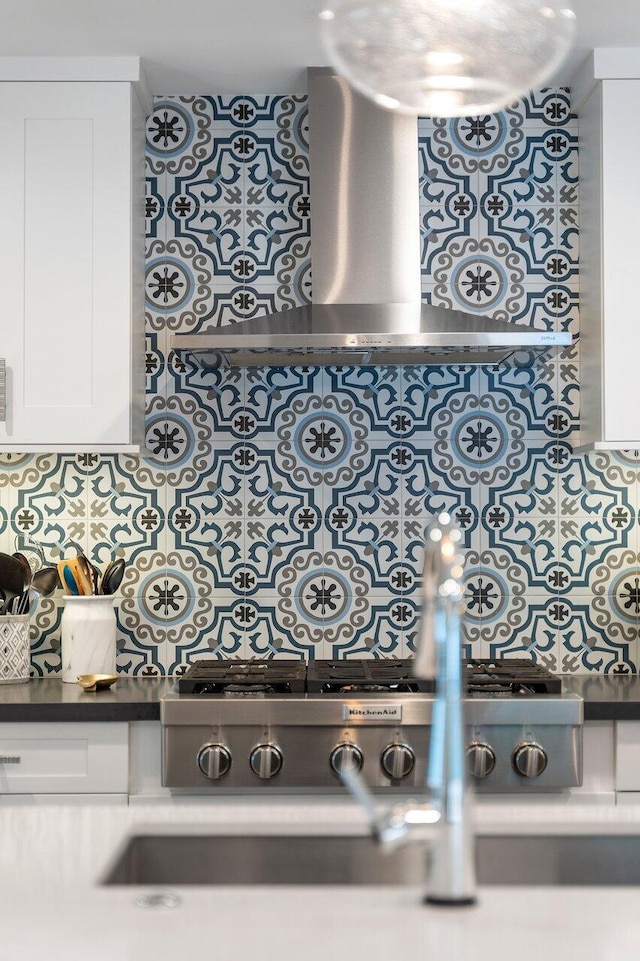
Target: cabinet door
(64,758)
(65,263)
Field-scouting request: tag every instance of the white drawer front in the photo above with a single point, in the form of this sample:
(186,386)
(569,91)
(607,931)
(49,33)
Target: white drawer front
(66,758)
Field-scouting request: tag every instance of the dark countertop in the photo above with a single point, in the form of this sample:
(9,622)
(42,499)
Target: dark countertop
(606,697)
(48,699)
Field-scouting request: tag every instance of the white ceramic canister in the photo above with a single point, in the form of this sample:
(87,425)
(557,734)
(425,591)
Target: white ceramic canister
(88,629)
(15,649)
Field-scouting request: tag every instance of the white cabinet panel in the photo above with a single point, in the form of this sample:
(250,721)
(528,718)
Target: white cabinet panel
(69,261)
(65,758)
(609,253)
(628,756)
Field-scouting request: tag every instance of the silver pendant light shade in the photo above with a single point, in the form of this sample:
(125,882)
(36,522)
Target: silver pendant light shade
(446,58)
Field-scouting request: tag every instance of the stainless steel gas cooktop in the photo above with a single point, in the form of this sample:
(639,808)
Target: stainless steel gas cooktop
(284,725)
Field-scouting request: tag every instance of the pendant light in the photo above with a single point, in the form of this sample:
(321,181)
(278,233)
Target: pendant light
(446,58)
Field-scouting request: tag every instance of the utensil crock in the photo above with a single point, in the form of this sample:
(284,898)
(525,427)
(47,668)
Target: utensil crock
(88,636)
(15,649)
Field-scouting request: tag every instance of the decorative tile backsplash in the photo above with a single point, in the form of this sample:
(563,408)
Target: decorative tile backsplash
(282,512)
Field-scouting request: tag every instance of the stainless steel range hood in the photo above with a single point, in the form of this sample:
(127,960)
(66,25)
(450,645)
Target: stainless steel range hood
(365,255)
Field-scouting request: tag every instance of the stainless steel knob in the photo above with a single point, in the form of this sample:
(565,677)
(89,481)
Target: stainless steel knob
(529,760)
(481,759)
(266,760)
(397,761)
(345,754)
(214,760)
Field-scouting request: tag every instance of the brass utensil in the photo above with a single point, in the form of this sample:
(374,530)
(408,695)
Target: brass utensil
(96,682)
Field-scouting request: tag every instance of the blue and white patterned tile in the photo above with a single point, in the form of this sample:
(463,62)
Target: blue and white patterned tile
(370,627)
(594,637)
(179,439)
(141,637)
(290,288)
(531,228)
(276,239)
(597,483)
(406,576)
(473,644)
(532,490)
(489,275)
(525,626)
(276,173)
(270,391)
(178,289)
(212,237)
(524,398)
(44,634)
(36,487)
(546,106)
(210,624)
(527,548)
(282,628)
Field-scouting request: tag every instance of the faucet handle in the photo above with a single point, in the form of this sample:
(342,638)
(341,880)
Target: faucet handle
(412,821)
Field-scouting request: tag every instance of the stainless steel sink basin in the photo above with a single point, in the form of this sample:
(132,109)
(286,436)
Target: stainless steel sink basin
(233,860)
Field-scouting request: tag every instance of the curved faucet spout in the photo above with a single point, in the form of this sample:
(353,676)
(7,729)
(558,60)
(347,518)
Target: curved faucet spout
(446,819)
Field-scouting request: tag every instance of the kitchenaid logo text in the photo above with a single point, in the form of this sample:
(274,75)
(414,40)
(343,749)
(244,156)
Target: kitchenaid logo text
(372,712)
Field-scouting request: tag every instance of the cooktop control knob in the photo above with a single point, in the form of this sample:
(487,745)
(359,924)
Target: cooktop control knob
(345,754)
(529,760)
(397,761)
(214,760)
(266,761)
(481,759)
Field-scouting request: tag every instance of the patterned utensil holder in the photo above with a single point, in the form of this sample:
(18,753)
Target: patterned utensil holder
(15,649)
(88,630)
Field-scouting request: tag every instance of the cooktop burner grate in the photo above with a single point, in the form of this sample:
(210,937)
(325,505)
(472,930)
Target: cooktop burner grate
(244,678)
(508,677)
(388,676)
(259,678)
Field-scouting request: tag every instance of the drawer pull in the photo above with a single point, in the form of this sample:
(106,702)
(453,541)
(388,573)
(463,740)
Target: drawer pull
(10,759)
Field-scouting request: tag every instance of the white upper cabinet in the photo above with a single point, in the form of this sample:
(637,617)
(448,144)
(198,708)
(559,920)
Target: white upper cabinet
(71,257)
(607,95)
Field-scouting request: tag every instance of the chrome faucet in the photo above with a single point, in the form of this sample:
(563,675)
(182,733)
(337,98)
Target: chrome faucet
(447,809)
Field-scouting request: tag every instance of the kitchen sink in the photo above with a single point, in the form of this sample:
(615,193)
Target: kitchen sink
(294,860)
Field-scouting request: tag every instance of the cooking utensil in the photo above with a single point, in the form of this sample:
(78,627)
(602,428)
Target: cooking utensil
(45,581)
(82,573)
(67,578)
(26,566)
(96,682)
(21,604)
(112,577)
(95,577)
(32,550)
(12,579)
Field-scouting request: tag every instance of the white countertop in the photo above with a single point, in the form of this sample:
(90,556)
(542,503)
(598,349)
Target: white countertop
(51,859)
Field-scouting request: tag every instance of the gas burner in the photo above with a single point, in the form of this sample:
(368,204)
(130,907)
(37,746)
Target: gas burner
(392,676)
(244,678)
(508,678)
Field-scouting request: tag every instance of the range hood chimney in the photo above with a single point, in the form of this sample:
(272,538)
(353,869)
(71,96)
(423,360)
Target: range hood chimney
(365,256)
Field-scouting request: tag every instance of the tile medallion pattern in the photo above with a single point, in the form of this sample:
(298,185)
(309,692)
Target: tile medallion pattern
(282,512)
